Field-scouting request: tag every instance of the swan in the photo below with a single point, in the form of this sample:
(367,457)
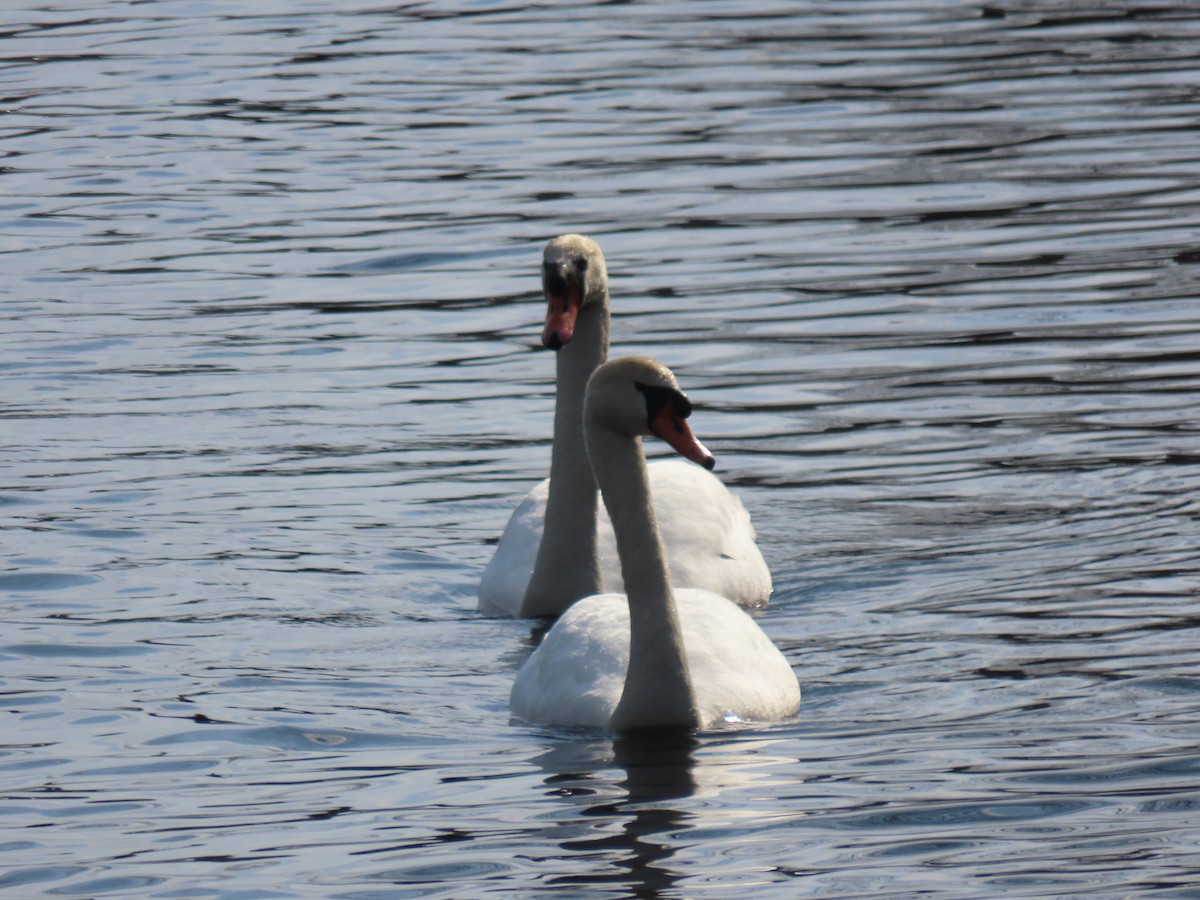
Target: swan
(655,657)
(536,569)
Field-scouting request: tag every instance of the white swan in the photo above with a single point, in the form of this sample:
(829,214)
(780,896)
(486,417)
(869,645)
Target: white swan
(709,538)
(655,657)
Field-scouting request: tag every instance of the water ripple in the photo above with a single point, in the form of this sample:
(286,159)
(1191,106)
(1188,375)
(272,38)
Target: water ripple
(272,386)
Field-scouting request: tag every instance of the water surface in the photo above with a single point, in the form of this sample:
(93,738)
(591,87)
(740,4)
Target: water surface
(271,388)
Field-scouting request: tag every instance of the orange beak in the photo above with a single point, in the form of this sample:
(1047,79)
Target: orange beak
(674,429)
(561,312)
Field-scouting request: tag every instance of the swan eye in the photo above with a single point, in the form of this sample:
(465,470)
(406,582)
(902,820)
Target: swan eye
(581,264)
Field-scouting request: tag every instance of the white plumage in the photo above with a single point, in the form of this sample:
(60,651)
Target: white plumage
(576,676)
(710,541)
(707,531)
(657,656)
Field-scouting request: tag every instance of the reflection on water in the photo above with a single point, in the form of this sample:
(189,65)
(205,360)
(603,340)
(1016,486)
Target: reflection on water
(271,389)
(641,805)
(635,846)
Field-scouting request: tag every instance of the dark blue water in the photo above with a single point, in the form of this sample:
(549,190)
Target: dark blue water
(269,389)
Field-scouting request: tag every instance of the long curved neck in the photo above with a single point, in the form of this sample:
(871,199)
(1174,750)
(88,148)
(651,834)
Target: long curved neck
(658,690)
(567,568)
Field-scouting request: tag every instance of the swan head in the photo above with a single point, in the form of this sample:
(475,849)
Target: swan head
(573,276)
(635,395)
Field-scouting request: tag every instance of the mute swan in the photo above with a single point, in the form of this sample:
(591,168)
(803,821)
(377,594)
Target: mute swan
(537,571)
(656,657)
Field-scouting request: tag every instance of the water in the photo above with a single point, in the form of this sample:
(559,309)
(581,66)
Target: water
(270,389)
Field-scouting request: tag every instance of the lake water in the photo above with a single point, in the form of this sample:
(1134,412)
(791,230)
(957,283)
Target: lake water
(271,386)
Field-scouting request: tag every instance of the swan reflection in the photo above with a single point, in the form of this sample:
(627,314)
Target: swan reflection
(638,795)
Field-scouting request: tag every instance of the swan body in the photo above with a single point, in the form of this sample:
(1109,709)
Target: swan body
(576,676)
(712,546)
(656,656)
(535,570)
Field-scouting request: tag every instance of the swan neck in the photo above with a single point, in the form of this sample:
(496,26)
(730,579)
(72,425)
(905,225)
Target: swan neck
(567,567)
(658,691)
